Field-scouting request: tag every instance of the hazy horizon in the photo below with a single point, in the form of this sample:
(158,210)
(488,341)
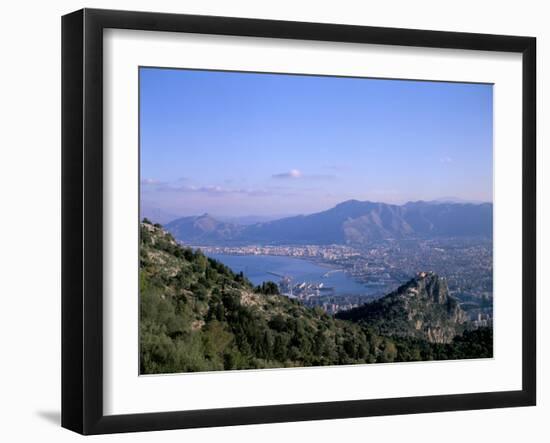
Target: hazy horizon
(157,215)
(271,145)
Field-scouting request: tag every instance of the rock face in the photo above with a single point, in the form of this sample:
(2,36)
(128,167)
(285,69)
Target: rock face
(421,308)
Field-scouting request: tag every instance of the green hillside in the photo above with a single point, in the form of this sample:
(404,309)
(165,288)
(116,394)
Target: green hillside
(197,315)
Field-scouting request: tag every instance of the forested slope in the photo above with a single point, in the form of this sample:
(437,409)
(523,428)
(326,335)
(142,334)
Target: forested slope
(197,315)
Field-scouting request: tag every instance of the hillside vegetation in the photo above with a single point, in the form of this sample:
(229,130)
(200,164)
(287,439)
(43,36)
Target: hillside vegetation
(197,315)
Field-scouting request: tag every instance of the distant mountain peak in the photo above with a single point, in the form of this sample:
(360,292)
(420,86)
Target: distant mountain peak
(202,229)
(350,202)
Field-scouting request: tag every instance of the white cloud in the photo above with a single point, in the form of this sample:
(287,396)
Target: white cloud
(292,174)
(295,174)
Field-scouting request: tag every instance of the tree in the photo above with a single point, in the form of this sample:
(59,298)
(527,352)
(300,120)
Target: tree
(268,288)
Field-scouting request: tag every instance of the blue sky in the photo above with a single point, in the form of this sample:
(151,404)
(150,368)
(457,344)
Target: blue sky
(236,144)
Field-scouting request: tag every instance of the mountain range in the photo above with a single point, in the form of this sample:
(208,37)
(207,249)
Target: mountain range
(350,222)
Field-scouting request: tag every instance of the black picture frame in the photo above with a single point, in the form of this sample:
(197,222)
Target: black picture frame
(82,218)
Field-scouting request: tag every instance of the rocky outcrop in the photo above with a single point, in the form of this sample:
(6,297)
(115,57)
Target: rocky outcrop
(421,308)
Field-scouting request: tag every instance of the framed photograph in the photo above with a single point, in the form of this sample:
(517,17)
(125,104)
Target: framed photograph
(269,221)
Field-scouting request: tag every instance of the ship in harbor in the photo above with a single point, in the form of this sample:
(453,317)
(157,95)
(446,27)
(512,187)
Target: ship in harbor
(301,290)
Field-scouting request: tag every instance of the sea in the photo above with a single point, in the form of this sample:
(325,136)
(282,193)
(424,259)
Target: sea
(260,268)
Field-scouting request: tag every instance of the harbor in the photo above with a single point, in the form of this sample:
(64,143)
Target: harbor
(296,278)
